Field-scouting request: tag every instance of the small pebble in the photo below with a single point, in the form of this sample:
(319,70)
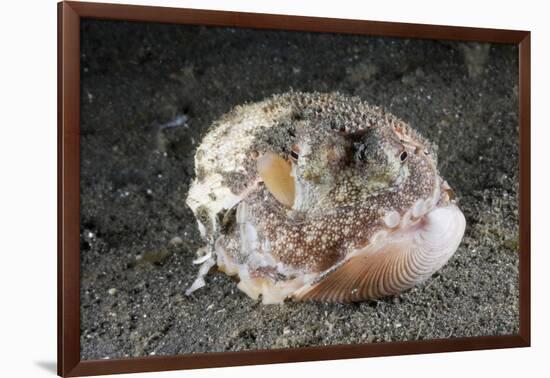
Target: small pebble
(176,241)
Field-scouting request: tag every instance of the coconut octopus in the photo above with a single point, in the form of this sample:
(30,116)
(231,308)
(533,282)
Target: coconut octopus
(314,196)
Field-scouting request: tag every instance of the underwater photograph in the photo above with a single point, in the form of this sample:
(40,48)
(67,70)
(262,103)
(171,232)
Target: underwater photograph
(248,189)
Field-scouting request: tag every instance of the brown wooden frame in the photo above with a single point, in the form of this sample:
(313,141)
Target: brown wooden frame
(69,15)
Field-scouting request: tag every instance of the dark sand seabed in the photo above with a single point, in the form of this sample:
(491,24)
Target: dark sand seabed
(138,237)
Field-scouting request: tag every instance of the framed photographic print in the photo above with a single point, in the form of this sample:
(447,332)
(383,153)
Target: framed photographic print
(239,188)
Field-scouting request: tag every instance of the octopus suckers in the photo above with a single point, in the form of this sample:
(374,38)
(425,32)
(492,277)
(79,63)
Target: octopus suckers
(392,219)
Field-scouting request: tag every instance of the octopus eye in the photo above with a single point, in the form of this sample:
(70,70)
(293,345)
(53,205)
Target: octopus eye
(294,152)
(403,156)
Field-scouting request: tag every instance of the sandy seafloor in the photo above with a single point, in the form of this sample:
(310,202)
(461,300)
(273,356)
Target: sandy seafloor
(139,238)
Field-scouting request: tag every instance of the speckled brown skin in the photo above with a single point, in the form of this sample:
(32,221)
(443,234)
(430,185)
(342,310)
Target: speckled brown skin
(355,166)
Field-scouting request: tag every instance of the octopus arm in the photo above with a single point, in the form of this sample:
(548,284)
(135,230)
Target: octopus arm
(398,262)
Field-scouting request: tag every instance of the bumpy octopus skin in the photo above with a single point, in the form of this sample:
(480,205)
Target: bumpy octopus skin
(314,196)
